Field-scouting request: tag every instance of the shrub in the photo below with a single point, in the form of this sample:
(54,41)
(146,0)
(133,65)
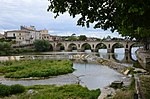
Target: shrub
(36,68)
(14,89)
(4,90)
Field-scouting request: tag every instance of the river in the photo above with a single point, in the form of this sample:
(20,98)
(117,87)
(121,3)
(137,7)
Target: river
(93,76)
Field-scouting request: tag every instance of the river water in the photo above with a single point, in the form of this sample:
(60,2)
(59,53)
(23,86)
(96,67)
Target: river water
(93,76)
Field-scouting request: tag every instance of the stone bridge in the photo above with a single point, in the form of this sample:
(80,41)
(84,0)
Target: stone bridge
(94,45)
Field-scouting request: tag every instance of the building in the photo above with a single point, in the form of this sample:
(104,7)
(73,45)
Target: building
(26,35)
(2,36)
(50,37)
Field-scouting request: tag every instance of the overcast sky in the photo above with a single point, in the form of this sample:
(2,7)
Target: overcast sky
(14,13)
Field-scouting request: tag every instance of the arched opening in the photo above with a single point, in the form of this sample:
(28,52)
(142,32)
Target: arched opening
(51,47)
(133,48)
(118,50)
(86,47)
(102,48)
(72,47)
(60,47)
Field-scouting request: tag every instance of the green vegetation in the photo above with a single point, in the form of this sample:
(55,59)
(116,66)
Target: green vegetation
(82,38)
(137,65)
(9,90)
(124,95)
(42,45)
(145,86)
(86,46)
(35,68)
(57,92)
(5,48)
(101,46)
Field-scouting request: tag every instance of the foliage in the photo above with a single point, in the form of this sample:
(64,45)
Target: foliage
(118,45)
(14,89)
(4,90)
(9,90)
(86,46)
(82,38)
(5,48)
(41,45)
(124,95)
(72,38)
(61,92)
(35,68)
(129,18)
(101,46)
(136,64)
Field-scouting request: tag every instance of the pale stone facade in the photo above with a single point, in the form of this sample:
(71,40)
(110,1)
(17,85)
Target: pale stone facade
(26,35)
(50,37)
(2,36)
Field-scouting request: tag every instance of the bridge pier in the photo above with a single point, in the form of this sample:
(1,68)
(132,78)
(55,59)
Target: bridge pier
(79,50)
(109,51)
(127,50)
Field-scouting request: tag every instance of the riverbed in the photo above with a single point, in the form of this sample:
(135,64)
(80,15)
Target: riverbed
(93,76)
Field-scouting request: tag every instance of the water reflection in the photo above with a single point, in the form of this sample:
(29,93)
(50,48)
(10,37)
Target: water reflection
(95,76)
(119,55)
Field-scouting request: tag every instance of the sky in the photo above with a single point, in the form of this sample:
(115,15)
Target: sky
(14,13)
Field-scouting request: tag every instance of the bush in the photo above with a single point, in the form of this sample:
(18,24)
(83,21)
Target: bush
(4,90)
(14,89)
(9,90)
(36,68)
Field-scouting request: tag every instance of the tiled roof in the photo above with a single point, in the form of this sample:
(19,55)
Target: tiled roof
(26,31)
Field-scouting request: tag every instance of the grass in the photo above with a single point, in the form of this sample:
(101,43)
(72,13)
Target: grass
(145,86)
(126,93)
(57,92)
(35,68)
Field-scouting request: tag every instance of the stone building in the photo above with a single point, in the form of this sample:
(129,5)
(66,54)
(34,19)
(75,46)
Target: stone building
(50,37)
(2,36)
(26,35)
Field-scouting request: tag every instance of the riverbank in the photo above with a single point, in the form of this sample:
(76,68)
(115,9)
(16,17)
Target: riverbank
(105,62)
(120,68)
(87,58)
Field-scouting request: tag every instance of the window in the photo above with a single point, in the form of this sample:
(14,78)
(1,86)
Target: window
(14,35)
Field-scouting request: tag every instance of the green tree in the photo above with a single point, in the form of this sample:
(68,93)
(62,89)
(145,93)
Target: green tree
(41,45)
(72,37)
(82,37)
(128,17)
(5,48)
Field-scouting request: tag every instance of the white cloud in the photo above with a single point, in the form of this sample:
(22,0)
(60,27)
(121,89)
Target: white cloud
(34,12)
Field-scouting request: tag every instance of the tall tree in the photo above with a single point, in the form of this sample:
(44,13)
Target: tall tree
(41,45)
(128,17)
(82,37)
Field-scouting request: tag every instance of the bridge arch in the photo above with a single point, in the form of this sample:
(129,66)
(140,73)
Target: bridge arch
(135,44)
(100,46)
(60,46)
(72,46)
(51,47)
(117,45)
(85,46)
